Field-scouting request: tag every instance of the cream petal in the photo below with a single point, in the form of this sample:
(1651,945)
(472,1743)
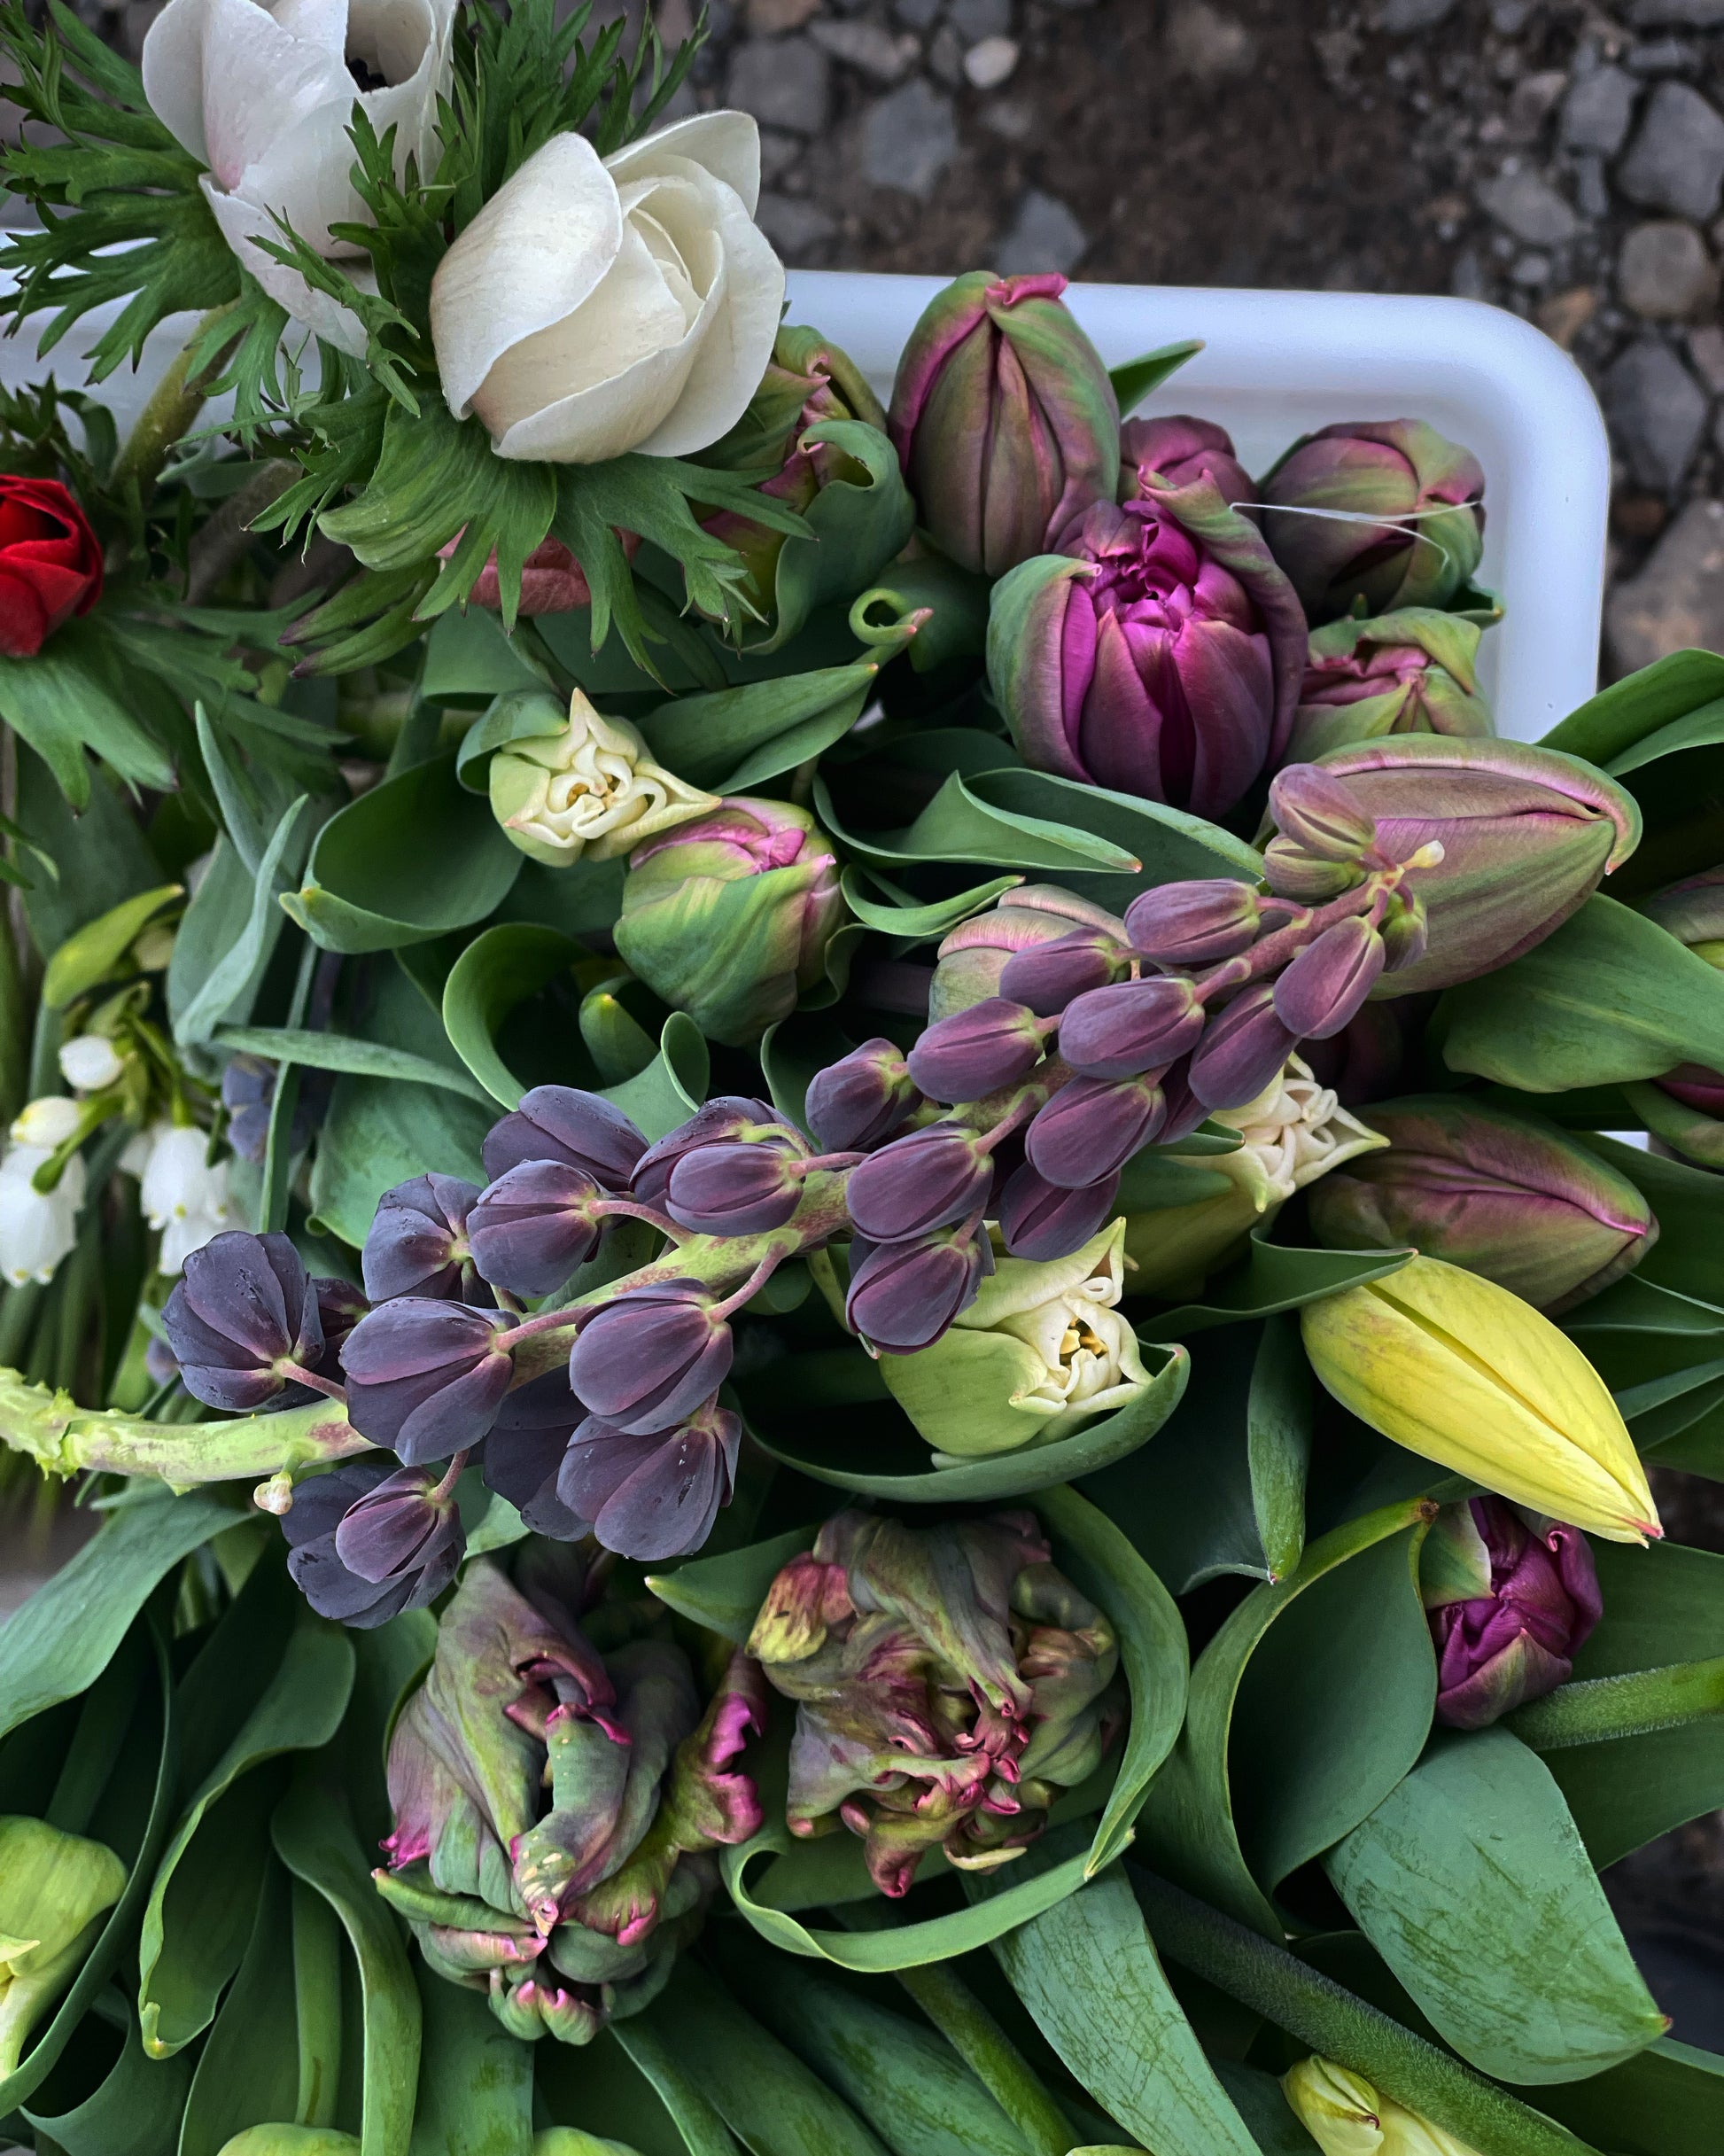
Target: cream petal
(411,39)
(304,175)
(319,23)
(540,247)
(242,224)
(606,420)
(172,68)
(259,83)
(726,145)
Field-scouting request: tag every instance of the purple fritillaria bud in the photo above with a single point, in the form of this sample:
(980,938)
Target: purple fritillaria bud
(928,1179)
(1091,1128)
(525,1451)
(417,1241)
(1044,1220)
(1241,1050)
(648,1360)
(1320,989)
(1405,928)
(1512,1641)
(655,1495)
(1320,814)
(583,1129)
(862,1098)
(410,1543)
(903,1295)
(340,1306)
(973,956)
(1047,977)
(532,1226)
(974,1052)
(1195,924)
(1185,1112)
(738,1188)
(425,1378)
(730,1116)
(1176,450)
(1132,1027)
(245,1307)
(1292,873)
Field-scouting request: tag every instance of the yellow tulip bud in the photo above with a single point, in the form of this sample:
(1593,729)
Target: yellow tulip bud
(590,792)
(1040,1352)
(1460,1372)
(54,1889)
(1346,2116)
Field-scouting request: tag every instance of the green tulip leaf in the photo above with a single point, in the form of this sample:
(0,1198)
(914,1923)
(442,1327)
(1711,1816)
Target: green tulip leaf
(601,2088)
(313,1837)
(138,2105)
(953,605)
(1273,1277)
(1611,724)
(1305,1708)
(1609,997)
(958,826)
(475,2095)
(497,971)
(730,739)
(1135,379)
(1092,1980)
(232,982)
(793,1052)
(1669,2097)
(864,1423)
(1480,1824)
(91,953)
(1278,1428)
(913,923)
(285,1043)
(724,1593)
(521,714)
(619,1044)
(471,659)
(247,2075)
(855,527)
(672,1086)
(415,858)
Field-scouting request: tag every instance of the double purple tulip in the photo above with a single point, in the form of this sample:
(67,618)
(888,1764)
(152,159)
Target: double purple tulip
(1512,1640)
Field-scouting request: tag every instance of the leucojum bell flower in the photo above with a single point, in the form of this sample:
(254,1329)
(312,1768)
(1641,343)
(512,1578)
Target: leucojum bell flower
(596,306)
(950,1681)
(554,1806)
(589,792)
(38,1228)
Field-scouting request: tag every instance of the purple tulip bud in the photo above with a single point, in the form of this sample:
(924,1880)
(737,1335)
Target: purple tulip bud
(525,1451)
(244,1307)
(925,1179)
(976,1052)
(743,1188)
(903,1295)
(1319,992)
(1194,923)
(583,1129)
(1092,1127)
(1426,492)
(532,1226)
(862,1098)
(1131,1028)
(1512,1198)
(1241,1050)
(1178,451)
(1044,1220)
(646,1361)
(367,1541)
(1292,873)
(653,1495)
(731,1117)
(425,1378)
(1047,977)
(1003,419)
(1513,1640)
(1320,814)
(1410,673)
(417,1242)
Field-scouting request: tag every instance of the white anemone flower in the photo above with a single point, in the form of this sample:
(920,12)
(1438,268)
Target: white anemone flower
(183,1196)
(37,1229)
(264,96)
(596,306)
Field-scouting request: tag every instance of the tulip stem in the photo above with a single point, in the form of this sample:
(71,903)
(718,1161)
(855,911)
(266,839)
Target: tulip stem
(175,403)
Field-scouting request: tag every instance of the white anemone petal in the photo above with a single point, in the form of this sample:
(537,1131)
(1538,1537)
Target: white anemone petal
(172,68)
(243,225)
(726,145)
(259,83)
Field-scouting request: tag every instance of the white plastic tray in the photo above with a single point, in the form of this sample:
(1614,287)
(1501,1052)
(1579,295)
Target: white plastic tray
(1276,364)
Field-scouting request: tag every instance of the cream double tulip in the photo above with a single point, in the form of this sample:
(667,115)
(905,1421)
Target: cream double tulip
(590,792)
(596,306)
(264,96)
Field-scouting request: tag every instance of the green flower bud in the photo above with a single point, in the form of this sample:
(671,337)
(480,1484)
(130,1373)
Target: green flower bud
(54,1890)
(574,2141)
(292,2141)
(1042,1350)
(1346,2116)
(590,792)
(977,951)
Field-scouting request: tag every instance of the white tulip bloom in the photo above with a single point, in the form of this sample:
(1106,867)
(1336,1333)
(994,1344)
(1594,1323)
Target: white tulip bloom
(180,1195)
(37,1229)
(591,792)
(48,1122)
(596,306)
(91,1063)
(264,96)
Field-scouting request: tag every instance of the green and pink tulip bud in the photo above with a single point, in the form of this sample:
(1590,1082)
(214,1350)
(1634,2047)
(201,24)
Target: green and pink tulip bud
(1526,835)
(1382,512)
(1411,671)
(974,957)
(728,917)
(1178,451)
(1159,652)
(554,1805)
(1693,913)
(1003,419)
(949,1682)
(1508,1605)
(1515,1200)
(862,1098)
